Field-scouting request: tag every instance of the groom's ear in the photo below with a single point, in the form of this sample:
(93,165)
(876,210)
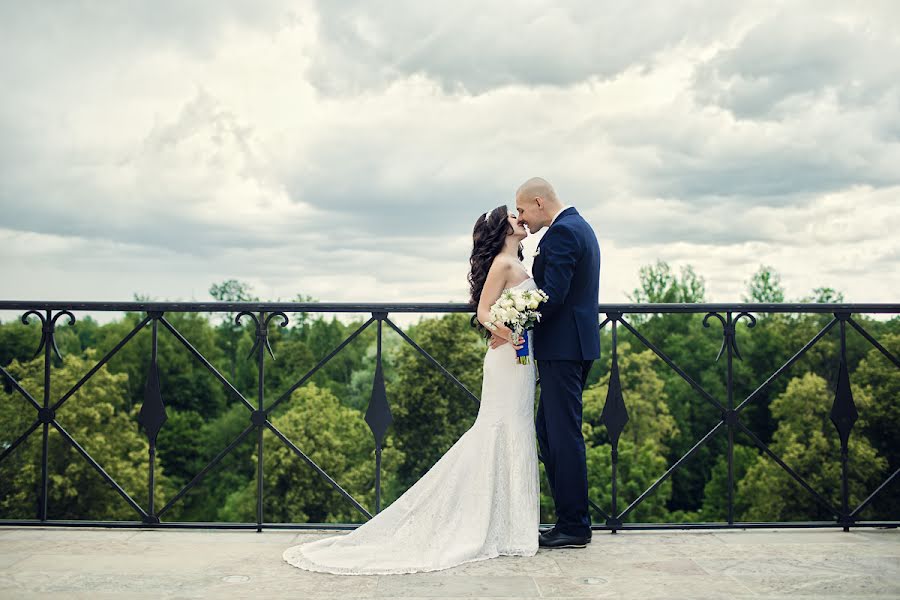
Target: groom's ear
(540,202)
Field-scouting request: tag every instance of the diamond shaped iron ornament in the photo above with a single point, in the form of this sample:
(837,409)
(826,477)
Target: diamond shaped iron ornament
(614,415)
(153,411)
(378,414)
(843,410)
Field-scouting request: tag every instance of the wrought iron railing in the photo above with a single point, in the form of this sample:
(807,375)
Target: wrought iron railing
(614,415)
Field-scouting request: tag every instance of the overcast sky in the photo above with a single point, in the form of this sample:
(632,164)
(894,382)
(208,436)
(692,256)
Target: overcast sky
(344,149)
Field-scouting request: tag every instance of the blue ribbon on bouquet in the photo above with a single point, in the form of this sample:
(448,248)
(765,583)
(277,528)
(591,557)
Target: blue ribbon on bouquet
(522,353)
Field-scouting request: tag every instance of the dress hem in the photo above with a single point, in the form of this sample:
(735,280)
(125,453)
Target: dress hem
(294,556)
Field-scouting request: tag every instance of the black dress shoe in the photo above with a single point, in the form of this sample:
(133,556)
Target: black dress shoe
(558,539)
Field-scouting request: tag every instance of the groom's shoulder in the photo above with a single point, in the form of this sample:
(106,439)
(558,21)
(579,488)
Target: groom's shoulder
(578,222)
(571,218)
(576,228)
(563,229)
(573,223)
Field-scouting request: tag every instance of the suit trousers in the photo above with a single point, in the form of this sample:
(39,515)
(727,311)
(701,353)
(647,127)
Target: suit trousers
(558,425)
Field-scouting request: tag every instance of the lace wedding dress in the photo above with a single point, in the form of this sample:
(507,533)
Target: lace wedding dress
(480,500)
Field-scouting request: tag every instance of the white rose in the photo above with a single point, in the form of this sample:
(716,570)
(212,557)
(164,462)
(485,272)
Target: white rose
(521,304)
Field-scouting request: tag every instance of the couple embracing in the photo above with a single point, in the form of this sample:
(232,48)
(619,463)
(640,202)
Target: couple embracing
(481,499)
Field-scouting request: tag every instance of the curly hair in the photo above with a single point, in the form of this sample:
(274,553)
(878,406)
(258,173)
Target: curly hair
(488,238)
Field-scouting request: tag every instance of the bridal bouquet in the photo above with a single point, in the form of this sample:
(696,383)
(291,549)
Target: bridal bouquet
(517,309)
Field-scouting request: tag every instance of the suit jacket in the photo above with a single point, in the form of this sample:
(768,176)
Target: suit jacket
(567,268)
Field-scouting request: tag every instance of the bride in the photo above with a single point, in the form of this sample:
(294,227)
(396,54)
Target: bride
(481,499)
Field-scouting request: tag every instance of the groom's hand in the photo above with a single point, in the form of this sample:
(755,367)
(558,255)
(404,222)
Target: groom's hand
(497,341)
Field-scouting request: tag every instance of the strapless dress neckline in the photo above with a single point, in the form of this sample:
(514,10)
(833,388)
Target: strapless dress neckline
(518,285)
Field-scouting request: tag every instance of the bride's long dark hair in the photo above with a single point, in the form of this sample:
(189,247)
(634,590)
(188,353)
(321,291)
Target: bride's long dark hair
(488,238)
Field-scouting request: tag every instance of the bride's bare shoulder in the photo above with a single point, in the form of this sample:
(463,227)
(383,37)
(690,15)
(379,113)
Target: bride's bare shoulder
(511,267)
(509,262)
(498,274)
(501,265)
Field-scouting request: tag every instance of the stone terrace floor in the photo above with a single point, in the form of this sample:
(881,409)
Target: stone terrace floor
(770,564)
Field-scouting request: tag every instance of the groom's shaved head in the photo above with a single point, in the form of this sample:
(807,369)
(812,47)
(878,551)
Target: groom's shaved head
(537,187)
(536,203)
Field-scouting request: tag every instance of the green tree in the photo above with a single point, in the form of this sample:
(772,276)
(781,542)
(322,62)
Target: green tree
(765,287)
(337,439)
(293,359)
(196,448)
(185,383)
(360,388)
(18,342)
(715,493)
(659,284)
(180,444)
(229,332)
(203,415)
(774,339)
(301,346)
(324,335)
(807,442)
(649,419)
(98,418)
(824,295)
(642,445)
(430,413)
(683,338)
(878,380)
(75,338)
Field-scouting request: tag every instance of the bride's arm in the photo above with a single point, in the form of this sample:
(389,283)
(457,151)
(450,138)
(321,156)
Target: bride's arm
(493,287)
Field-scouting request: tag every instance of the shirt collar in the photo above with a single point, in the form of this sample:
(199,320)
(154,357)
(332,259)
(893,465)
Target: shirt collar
(561,211)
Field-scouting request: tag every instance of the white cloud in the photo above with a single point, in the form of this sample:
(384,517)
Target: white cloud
(345,152)
(478,46)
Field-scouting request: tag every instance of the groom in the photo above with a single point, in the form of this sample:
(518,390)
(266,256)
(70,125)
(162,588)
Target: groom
(566,342)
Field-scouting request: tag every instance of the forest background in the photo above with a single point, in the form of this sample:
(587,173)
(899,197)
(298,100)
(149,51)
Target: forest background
(325,416)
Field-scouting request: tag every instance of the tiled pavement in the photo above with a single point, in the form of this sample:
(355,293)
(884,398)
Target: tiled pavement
(769,564)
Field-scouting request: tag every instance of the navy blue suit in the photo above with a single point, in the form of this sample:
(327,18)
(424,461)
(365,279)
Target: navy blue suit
(566,342)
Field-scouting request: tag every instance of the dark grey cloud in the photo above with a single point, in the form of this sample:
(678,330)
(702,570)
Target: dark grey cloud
(812,107)
(764,175)
(150,194)
(801,56)
(473,46)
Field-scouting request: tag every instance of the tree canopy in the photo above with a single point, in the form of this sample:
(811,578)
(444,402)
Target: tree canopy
(325,417)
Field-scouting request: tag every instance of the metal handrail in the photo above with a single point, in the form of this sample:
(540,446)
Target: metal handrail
(614,415)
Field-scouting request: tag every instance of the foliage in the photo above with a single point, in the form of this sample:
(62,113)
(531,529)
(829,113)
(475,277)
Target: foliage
(336,439)
(715,493)
(764,287)
(659,284)
(325,416)
(877,381)
(807,442)
(643,443)
(98,418)
(431,413)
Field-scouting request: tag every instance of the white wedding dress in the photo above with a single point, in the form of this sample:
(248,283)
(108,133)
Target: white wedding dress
(480,500)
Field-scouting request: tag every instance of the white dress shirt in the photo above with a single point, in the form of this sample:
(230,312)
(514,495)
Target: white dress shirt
(567,206)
